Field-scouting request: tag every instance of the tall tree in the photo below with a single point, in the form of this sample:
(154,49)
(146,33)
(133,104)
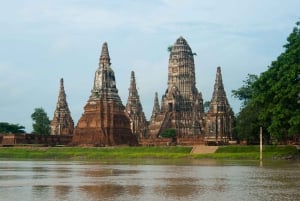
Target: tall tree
(247,124)
(41,121)
(277,90)
(272,99)
(245,93)
(11,128)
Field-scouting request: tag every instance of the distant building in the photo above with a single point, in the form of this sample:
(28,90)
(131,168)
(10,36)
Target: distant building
(134,109)
(62,122)
(219,118)
(104,121)
(182,103)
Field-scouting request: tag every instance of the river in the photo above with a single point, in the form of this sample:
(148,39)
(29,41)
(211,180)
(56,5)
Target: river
(149,180)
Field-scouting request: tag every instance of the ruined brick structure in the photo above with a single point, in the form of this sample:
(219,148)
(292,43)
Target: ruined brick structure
(62,123)
(156,108)
(104,122)
(182,104)
(219,118)
(134,110)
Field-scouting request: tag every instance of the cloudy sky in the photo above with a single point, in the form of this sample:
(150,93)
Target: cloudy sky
(43,41)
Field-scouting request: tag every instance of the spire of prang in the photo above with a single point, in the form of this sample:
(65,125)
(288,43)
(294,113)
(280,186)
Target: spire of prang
(156,108)
(62,123)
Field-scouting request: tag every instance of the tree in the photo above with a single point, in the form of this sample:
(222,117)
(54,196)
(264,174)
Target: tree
(272,99)
(245,93)
(277,90)
(206,106)
(11,128)
(41,121)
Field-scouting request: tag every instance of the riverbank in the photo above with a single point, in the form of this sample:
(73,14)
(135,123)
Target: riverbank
(173,152)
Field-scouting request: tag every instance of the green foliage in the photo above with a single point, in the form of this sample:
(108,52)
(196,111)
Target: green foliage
(11,128)
(41,121)
(246,91)
(277,89)
(272,99)
(206,106)
(170,47)
(169,133)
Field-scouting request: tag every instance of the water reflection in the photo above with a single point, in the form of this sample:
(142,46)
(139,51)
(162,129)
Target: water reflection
(54,180)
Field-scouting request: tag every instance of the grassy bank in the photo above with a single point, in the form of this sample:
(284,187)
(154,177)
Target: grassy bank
(93,153)
(251,152)
(107,153)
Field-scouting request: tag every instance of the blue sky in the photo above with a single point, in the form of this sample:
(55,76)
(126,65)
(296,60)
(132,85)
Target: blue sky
(43,41)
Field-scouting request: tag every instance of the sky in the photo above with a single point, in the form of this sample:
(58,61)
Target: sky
(43,41)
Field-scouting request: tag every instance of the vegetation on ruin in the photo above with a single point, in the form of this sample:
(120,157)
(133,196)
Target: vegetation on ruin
(169,133)
(143,153)
(272,99)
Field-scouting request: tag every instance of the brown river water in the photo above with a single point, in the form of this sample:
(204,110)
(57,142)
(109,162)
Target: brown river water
(149,180)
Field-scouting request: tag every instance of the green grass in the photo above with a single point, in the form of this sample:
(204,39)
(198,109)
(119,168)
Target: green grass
(94,153)
(121,153)
(251,152)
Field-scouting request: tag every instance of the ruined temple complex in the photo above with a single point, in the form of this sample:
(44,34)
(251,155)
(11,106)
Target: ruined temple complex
(106,122)
(62,123)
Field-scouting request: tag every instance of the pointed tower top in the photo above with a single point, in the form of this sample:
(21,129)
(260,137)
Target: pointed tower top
(133,101)
(132,83)
(156,108)
(104,57)
(62,123)
(181,45)
(104,81)
(219,95)
(62,95)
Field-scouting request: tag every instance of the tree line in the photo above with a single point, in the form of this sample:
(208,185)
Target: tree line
(41,124)
(271,100)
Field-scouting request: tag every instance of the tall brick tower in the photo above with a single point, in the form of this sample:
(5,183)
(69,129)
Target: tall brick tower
(219,118)
(104,122)
(182,104)
(134,110)
(62,123)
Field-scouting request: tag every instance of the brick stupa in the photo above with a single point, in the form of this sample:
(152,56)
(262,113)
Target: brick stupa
(62,123)
(134,110)
(104,122)
(219,118)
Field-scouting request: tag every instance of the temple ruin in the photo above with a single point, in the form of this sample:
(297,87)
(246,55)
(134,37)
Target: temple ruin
(219,118)
(104,122)
(182,103)
(134,109)
(62,123)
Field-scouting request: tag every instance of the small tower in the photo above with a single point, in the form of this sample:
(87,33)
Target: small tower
(134,110)
(104,121)
(156,108)
(219,117)
(62,123)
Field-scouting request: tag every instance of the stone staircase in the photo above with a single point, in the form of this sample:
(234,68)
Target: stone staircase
(202,149)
